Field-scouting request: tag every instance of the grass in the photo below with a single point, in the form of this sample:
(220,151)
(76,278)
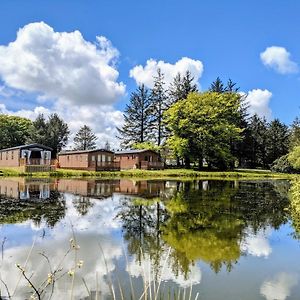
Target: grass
(157,174)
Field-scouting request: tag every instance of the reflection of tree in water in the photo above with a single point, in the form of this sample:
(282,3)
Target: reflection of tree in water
(141,220)
(204,224)
(82,204)
(203,221)
(49,210)
(295,206)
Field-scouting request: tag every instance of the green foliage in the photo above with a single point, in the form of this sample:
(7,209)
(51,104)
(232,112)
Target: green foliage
(14,131)
(203,126)
(276,141)
(294,158)
(53,132)
(85,139)
(295,205)
(282,165)
(137,118)
(146,145)
(295,134)
(181,87)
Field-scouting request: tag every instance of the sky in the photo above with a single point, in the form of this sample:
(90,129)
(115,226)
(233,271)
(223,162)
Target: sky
(82,59)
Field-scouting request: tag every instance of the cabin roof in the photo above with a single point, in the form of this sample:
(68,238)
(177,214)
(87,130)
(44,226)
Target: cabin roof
(68,152)
(28,146)
(136,151)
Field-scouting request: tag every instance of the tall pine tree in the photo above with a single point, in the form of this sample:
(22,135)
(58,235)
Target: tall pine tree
(137,119)
(159,104)
(85,139)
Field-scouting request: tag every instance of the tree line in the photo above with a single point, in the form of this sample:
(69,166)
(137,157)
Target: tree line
(211,129)
(53,132)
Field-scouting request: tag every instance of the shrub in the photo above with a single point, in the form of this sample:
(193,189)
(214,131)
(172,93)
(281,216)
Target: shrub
(282,165)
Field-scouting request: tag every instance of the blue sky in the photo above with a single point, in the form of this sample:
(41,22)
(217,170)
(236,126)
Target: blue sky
(227,37)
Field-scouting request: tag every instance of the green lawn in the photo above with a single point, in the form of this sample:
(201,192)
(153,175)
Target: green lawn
(168,173)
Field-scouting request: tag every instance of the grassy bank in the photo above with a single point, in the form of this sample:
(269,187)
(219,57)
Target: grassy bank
(168,173)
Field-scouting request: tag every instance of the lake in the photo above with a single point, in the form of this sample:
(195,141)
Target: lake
(106,239)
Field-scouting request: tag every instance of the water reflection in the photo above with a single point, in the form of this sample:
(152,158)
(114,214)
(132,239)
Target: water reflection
(140,225)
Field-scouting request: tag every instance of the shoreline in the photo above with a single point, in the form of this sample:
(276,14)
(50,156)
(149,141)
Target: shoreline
(151,174)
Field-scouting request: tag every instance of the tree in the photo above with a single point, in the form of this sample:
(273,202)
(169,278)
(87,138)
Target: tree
(202,127)
(257,142)
(217,86)
(85,139)
(158,106)
(39,130)
(137,119)
(14,131)
(107,146)
(57,133)
(276,141)
(181,87)
(295,134)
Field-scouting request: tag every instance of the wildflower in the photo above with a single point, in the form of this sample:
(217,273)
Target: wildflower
(71,272)
(50,278)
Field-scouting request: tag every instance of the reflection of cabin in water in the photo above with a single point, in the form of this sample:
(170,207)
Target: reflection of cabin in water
(92,160)
(139,159)
(25,189)
(141,188)
(88,188)
(33,158)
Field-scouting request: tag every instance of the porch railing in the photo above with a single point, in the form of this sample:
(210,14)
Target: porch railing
(151,165)
(37,162)
(105,165)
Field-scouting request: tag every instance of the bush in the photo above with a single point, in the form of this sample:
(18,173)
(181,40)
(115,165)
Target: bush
(294,158)
(282,165)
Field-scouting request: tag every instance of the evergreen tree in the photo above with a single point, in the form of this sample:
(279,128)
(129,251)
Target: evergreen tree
(39,132)
(85,139)
(276,142)
(257,143)
(217,86)
(57,133)
(294,139)
(181,87)
(158,106)
(137,119)
(231,86)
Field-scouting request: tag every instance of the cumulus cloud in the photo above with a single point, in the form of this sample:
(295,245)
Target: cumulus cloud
(145,74)
(258,101)
(279,288)
(257,244)
(61,65)
(278,58)
(70,76)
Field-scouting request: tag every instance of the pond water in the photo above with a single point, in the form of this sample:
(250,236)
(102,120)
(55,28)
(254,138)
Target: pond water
(120,238)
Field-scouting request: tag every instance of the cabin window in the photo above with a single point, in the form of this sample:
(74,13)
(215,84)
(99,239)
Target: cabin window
(99,157)
(0,155)
(103,157)
(146,158)
(109,158)
(6,155)
(93,158)
(12,154)
(68,157)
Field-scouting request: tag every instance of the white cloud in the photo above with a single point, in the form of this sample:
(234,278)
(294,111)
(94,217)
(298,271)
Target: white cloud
(278,58)
(280,287)
(257,244)
(72,77)
(144,75)
(258,101)
(61,65)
